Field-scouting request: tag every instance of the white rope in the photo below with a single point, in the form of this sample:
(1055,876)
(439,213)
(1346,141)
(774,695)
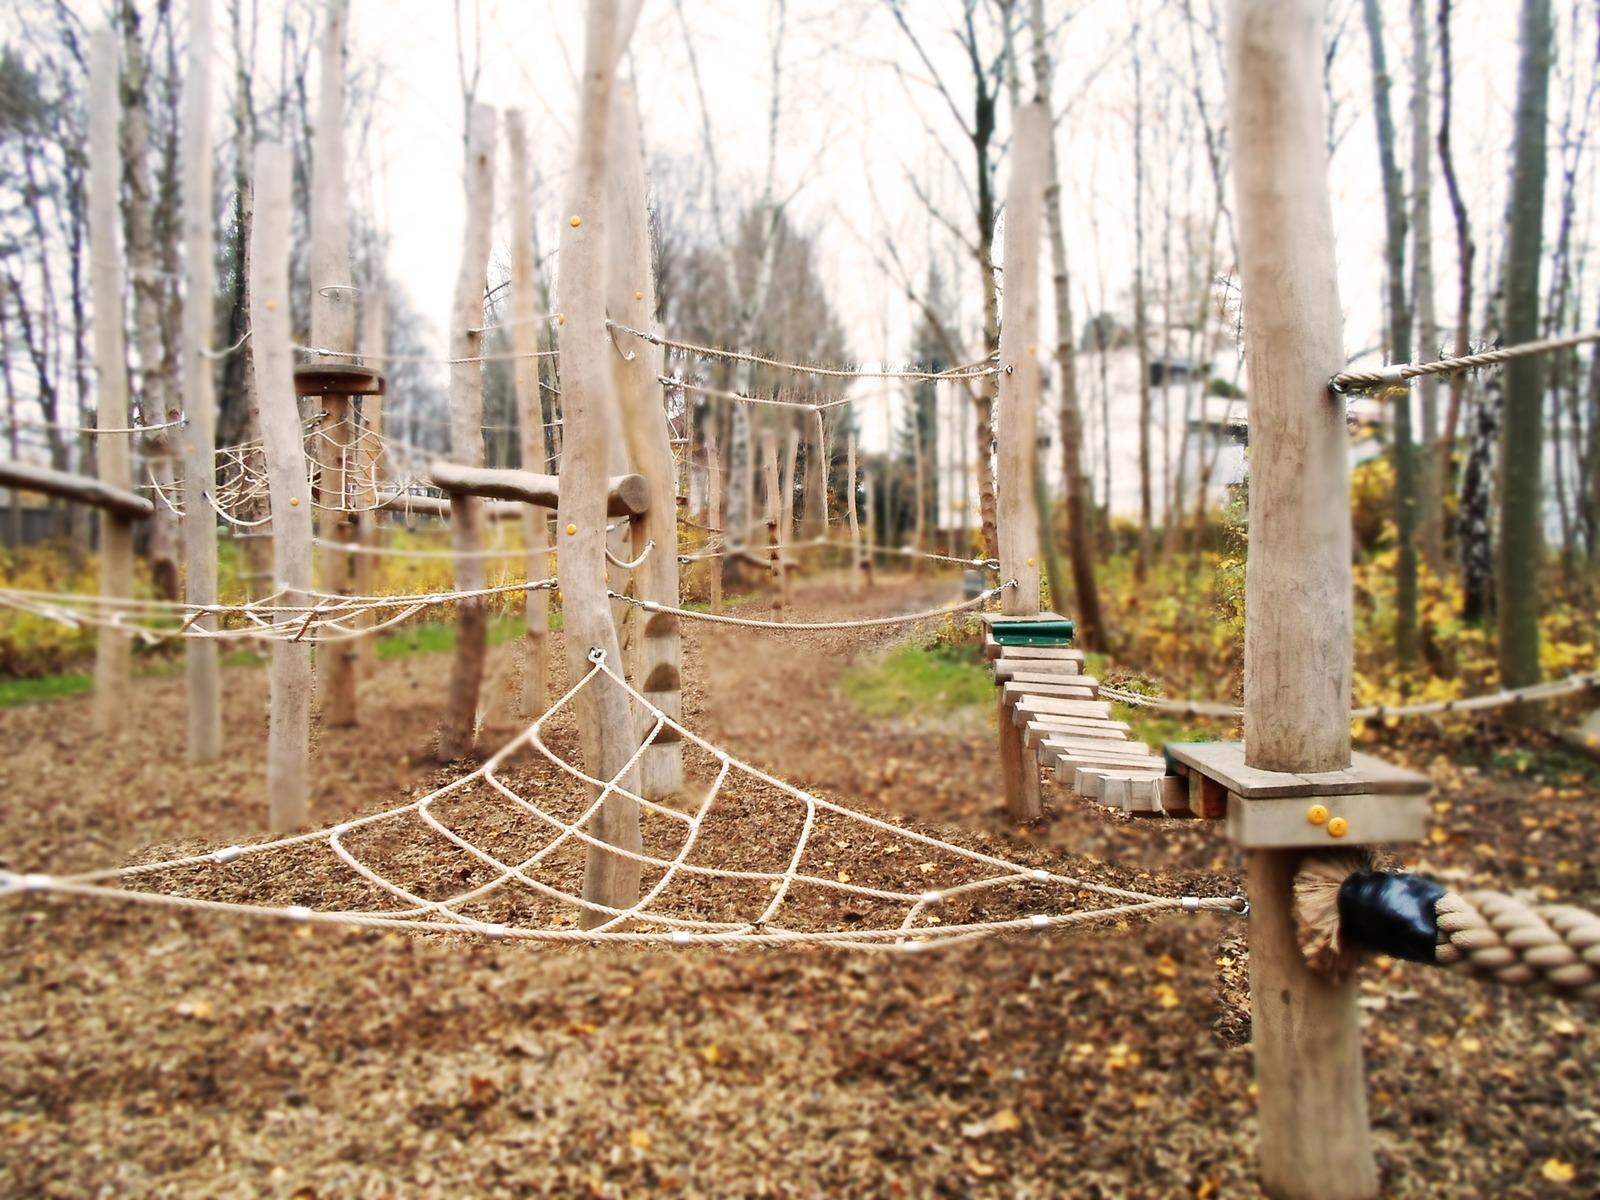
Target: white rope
(92,430)
(506,356)
(1400,373)
(912,900)
(207,352)
(864,623)
(630,564)
(969,371)
(1534,693)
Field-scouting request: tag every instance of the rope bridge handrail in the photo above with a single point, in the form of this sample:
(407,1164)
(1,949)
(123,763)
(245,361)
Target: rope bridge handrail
(967,371)
(1534,693)
(914,911)
(863,623)
(1365,381)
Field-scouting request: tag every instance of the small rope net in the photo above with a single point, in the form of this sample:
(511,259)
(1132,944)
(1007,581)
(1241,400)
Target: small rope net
(747,860)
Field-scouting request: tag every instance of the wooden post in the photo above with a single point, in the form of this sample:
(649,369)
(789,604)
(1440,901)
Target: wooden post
(589,412)
(333,327)
(458,730)
(1315,1139)
(530,417)
(1017,458)
(714,516)
(199,392)
(815,521)
(288,485)
(370,458)
(774,507)
(112,647)
(850,510)
(869,518)
(630,289)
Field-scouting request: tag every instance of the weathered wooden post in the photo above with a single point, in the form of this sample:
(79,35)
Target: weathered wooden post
(714,506)
(1017,517)
(333,327)
(530,416)
(288,485)
(774,516)
(113,451)
(370,456)
(1315,1138)
(636,372)
(589,412)
(199,392)
(458,730)
(850,510)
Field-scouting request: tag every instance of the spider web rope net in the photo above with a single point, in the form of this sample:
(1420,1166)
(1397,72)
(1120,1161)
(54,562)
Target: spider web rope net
(747,860)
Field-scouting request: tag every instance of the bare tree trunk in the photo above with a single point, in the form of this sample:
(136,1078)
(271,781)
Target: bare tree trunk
(1091,625)
(588,402)
(1465,252)
(112,652)
(714,506)
(157,406)
(1521,538)
(1430,487)
(1141,326)
(630,285)
(458,731)
(199,391)
(530,418)
(1399,312)
(1315,1137)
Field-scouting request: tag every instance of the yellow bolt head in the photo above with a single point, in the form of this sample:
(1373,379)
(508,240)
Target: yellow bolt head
(638,295)
(272,306)
(561,318)
(1030,562)
(294,501)
(1338,827)
(575,220)
(572,530)
(1317,814)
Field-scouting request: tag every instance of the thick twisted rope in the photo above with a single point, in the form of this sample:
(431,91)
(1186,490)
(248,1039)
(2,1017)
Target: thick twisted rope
(1493,934)
(864,623)
(1535,693)
(1366,381)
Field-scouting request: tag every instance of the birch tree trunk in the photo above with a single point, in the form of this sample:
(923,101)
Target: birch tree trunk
(157,404)
(288,484)
(589,410)
(1091,624)
(112,646)
(1521,446)
(333,327)
(1399,312)
(1141,322)
(636,372)
(370,457)
(1315,1139)
(1430,472)
(530,417)
(458,730)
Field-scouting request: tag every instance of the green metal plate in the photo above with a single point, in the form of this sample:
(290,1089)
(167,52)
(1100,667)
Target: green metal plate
(1033,633)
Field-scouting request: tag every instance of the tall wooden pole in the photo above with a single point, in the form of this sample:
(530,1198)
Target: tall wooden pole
(589,412)
(113,451)
(714,507)
(1315,1140)
(370,456)
(774,517)
(199,390)
(333,327)
(636,372)
(288,485)
(458,730)
(850,512)
(530,415)
(1017,459)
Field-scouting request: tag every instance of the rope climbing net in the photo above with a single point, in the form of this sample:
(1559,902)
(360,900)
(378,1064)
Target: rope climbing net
(750,861)
(320,617)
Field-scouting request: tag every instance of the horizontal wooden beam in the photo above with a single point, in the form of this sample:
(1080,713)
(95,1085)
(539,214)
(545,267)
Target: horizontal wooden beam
(80,489)
(626,495)
(438,506)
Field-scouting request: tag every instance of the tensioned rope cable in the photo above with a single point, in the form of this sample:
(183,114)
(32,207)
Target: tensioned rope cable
(504,356)
(1533,693)
(967,371)
(648,920)
(863,623)
(1361,381)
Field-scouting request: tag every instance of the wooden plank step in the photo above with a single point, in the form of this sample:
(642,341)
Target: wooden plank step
(1087,781)
(1012,692)
(1009,668)
(1128,749)
(993,649)
(1104,731)
(1038,706)
(1083,681)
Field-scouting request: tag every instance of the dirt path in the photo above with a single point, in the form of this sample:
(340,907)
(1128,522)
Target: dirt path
(147,1054)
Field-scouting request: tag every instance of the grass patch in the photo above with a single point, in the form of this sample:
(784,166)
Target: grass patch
(50,687)
(436,637)
(912,680)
